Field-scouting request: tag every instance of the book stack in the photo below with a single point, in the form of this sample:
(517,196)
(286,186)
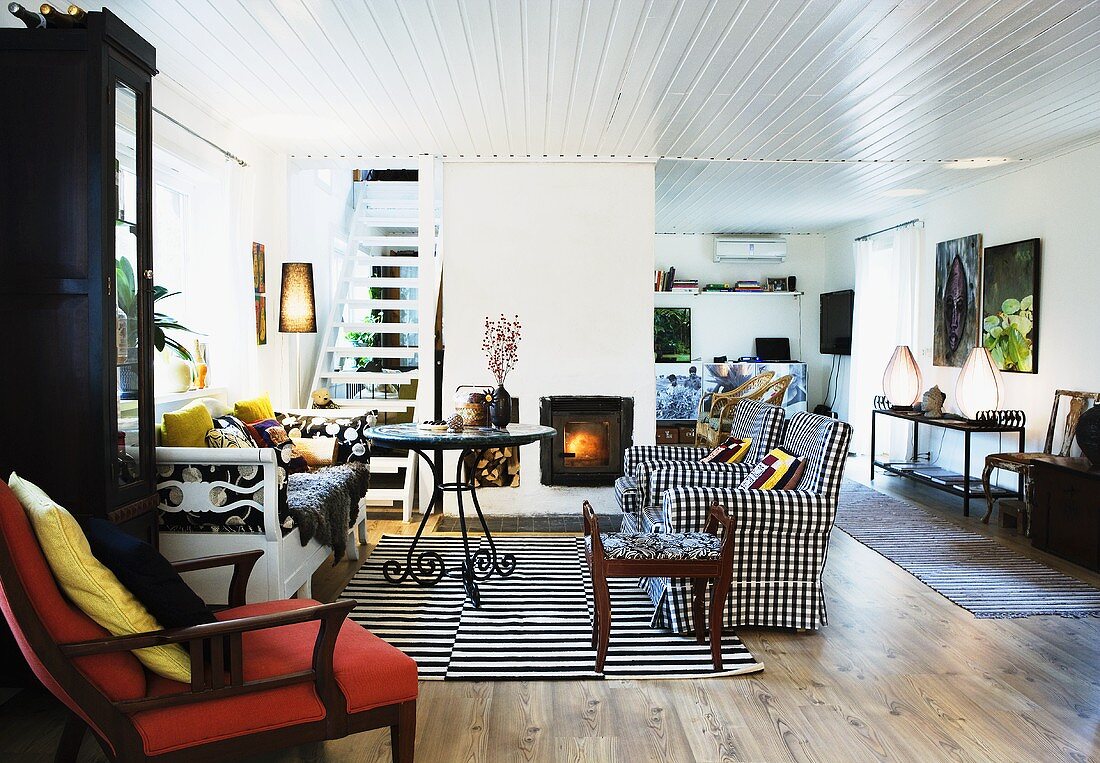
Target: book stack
(686,285)
(717,287)
(749,286)
(663,279)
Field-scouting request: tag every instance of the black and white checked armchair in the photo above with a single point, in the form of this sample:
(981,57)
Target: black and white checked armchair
(649,470)
(781,540)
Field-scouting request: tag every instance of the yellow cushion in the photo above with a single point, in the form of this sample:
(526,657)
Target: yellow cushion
(92,587)
(732,451)
(779,470)
(187,427)
(256,409)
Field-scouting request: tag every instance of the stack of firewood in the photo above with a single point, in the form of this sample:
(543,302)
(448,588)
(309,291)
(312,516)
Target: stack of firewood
(495,467)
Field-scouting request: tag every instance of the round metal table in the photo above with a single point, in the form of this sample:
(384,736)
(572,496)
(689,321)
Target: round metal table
(427,567)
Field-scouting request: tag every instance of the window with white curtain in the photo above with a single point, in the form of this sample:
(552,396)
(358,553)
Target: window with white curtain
(885,317)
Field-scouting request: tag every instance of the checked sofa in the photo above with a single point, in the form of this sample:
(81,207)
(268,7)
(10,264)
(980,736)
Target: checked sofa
(649,470)
(781,537)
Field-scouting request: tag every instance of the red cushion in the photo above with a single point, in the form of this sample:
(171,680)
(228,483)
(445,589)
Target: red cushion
(119,676)
(370,673)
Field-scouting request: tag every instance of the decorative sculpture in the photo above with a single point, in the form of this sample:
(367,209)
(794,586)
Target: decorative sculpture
(932,401)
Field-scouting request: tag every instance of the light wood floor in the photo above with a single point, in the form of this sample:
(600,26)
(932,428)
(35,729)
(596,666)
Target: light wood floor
(900,674)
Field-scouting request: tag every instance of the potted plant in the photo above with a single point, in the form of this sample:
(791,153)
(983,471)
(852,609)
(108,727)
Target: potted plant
(176,356)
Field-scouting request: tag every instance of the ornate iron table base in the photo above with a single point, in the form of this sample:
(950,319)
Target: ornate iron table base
(427,567)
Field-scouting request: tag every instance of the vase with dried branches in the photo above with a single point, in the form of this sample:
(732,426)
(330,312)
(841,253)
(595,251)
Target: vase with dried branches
(501,348)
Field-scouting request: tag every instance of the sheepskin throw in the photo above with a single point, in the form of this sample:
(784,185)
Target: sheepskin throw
(324,503)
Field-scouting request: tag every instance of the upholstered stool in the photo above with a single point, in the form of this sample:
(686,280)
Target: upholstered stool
(703,557)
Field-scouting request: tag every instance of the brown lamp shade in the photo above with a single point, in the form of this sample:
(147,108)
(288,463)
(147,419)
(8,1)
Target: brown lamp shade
(297,308)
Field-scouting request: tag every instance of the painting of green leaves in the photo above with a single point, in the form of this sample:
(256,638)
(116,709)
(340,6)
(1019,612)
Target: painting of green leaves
(672,334)
(1010,305)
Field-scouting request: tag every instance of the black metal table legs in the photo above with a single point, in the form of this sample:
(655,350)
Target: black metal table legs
(427,567)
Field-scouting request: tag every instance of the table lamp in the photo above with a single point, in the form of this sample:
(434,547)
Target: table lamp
(902,380)
(979,387)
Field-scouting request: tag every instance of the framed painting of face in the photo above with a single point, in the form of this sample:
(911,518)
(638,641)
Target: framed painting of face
(957,328)
(1010,305)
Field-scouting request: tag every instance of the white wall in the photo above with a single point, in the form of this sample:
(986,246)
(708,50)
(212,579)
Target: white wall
(320,195)
(256,210)
(569,248)
(1054,201)
(725,324)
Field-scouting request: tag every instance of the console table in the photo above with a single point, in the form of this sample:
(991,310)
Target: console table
(957,484)
(428,568)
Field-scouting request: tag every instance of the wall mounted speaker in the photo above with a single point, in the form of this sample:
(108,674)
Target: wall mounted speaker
(791,283)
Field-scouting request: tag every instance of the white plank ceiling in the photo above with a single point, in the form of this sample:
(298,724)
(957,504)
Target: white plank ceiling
(782,115)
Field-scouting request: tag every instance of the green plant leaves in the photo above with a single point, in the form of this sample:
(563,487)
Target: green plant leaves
(1005,334)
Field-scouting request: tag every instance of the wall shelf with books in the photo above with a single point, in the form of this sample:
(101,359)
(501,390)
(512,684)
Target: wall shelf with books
(664,295)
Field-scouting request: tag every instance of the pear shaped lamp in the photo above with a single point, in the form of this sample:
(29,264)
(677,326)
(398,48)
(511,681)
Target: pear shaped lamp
(979,387)
(902,380)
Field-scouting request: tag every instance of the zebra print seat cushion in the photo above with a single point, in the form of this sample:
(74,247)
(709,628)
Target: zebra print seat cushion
(664,546)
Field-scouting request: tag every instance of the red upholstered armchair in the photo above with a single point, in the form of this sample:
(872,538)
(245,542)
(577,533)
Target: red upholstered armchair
(264,677)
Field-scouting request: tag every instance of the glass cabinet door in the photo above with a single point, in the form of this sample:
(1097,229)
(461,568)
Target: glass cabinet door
(130,285)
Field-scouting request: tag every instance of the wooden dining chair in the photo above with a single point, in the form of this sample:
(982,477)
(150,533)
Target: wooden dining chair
(704,558)
(1020,463)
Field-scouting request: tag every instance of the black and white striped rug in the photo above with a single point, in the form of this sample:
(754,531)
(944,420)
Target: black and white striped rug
(982,576)
(534,625)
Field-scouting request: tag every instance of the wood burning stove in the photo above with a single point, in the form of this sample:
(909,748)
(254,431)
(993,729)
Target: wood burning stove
(592,434)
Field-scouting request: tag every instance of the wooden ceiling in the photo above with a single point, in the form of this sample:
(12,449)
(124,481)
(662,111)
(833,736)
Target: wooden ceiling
(794,115)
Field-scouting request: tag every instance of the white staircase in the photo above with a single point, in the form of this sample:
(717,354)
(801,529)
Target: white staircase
(375,341)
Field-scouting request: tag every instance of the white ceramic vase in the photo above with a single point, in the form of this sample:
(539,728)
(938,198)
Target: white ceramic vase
(171,373)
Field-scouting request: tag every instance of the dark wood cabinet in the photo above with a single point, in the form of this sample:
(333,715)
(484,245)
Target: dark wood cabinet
(1065,511)
(76,262)
(675,433)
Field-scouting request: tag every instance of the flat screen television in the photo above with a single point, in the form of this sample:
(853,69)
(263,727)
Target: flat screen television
(836,322)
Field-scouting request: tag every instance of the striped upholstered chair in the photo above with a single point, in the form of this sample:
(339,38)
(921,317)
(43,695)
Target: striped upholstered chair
(781,537)
(680,464)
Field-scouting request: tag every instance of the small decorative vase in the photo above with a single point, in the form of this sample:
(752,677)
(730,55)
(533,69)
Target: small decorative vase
(1088,434)
(171,373)
(500,409)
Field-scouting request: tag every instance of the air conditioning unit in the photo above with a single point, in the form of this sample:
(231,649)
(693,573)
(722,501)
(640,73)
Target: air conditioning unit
(750,250)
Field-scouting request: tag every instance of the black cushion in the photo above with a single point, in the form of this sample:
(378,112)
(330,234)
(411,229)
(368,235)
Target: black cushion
(147,575)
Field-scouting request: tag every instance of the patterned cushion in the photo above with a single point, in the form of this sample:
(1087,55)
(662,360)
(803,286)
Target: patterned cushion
(659,545)
(731,451)
(776,471)
(233,424)
(269,434)
(347,429)
(227,438)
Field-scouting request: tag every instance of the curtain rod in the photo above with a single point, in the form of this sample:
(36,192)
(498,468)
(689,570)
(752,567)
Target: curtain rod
(212,144)
(905,224)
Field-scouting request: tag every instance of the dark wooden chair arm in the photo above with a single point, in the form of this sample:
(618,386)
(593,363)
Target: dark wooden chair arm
(243,563)
(217,659)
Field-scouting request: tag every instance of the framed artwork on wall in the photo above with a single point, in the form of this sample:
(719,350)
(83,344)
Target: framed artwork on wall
(956,329)
(672,334)
(1010,305)
(679,388)
(261,319)
(259,289)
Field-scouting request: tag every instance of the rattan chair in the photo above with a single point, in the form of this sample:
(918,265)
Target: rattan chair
(714,424)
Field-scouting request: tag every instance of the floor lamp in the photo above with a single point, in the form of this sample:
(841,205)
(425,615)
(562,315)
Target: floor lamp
(297,313)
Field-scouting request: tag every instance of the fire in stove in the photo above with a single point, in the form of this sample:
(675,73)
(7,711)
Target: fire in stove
(589,442)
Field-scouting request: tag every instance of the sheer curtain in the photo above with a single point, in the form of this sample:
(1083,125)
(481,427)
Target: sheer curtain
(885,316)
